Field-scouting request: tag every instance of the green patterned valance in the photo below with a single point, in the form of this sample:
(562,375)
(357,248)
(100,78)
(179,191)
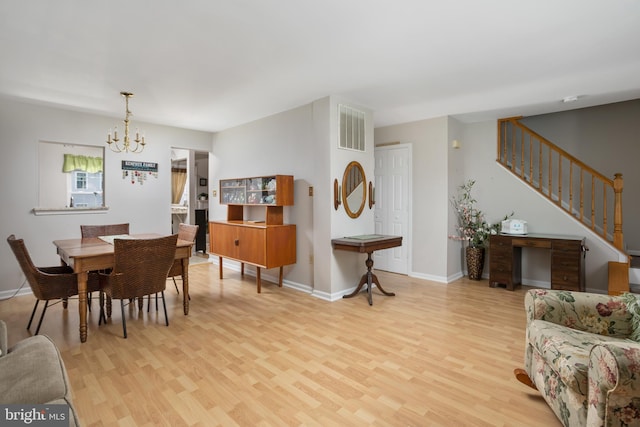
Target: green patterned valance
(82,163)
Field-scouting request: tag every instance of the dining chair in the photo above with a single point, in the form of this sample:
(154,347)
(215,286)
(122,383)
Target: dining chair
(87,231)
(140,268)
(103,230)
(185,232)
(48,283)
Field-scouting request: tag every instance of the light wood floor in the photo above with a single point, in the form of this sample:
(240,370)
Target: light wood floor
(434,355)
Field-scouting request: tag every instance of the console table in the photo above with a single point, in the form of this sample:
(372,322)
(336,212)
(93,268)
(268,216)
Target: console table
(567,259)
(367,243)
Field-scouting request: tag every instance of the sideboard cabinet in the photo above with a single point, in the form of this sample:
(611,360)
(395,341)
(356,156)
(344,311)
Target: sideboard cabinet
(567,259)
(267,243)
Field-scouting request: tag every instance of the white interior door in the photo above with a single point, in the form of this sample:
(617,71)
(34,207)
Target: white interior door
(392,208)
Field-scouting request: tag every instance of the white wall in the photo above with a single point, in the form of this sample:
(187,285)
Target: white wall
(499,193)
(146,207)
(438,170)
(607,138)
(277,145)
(346,267)
(301,142)
(430,183)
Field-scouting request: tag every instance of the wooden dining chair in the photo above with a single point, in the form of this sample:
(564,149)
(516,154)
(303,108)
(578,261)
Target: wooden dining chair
(140,268)
(185,232)
(48,283)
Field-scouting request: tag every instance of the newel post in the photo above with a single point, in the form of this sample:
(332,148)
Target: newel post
(617,212)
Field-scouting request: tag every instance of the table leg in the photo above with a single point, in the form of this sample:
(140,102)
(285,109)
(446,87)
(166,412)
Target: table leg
(369,278)
(375,280)
(280,277)
(82,303)
(185,283)
(363,280)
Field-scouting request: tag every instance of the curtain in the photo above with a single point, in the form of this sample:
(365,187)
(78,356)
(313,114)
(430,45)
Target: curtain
(178,180)
(73,162)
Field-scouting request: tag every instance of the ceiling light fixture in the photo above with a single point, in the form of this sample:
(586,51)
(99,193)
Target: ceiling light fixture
(126,144)
(570,98)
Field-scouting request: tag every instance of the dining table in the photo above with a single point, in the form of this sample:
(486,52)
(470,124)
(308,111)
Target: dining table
(97,253)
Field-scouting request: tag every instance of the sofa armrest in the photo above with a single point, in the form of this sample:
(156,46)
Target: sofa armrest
(595,313)
(3,338)
(614,384)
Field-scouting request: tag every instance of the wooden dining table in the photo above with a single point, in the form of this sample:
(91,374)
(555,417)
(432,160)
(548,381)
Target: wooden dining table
(95,253)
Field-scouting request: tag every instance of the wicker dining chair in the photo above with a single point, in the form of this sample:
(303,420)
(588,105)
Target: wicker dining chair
(140,268)
(48,283)
(87,231)
(103,230)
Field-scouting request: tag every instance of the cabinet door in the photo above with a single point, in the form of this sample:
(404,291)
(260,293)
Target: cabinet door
(281,245)
(223,240)
(251,245)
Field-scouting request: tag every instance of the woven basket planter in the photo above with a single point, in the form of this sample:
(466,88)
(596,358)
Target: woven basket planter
(475,262)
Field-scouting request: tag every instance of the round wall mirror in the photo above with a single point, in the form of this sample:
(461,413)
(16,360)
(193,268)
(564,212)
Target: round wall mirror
(354,189)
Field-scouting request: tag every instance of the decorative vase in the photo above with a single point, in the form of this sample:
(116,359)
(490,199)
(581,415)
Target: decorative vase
(475,262)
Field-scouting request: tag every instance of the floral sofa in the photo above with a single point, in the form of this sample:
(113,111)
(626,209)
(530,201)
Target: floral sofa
(580,356)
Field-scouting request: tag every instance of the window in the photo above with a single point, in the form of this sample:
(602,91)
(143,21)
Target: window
(80,181)
(67,171)
(86,189)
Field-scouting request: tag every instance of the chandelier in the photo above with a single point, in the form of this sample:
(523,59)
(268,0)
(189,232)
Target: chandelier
(126,146)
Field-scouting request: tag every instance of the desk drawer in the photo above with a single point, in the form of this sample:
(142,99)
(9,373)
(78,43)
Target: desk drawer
(565,278)
(566,287)
(567,247)
(500,264)
(565,263)
(496,242)
(532,243)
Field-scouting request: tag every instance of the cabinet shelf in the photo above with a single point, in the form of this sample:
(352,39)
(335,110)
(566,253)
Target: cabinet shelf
(272,190)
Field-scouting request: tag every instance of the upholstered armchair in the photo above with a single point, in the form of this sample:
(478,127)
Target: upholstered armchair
(580,356)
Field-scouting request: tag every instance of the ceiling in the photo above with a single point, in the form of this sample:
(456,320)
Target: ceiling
(214,64)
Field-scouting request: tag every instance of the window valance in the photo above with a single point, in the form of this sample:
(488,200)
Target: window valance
(89,164)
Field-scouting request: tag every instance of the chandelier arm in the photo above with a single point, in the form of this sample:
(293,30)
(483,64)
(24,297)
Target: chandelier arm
(126,141)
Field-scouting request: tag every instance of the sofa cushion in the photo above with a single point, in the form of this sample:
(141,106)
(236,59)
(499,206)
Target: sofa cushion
(32,372)
(566,351)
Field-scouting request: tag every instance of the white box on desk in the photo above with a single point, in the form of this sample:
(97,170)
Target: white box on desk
(514,226)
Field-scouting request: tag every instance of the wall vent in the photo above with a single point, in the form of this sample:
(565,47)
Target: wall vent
(351,128)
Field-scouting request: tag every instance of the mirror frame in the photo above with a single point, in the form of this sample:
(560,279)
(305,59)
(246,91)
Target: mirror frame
(345,177)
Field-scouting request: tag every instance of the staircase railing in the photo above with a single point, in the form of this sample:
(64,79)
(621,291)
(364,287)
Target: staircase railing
(579,190)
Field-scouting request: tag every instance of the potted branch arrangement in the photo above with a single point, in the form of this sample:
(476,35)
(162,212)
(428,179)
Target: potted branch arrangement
(472,228)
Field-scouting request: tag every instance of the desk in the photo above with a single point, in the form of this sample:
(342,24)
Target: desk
(567,259)
(92,254)
(367,244)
